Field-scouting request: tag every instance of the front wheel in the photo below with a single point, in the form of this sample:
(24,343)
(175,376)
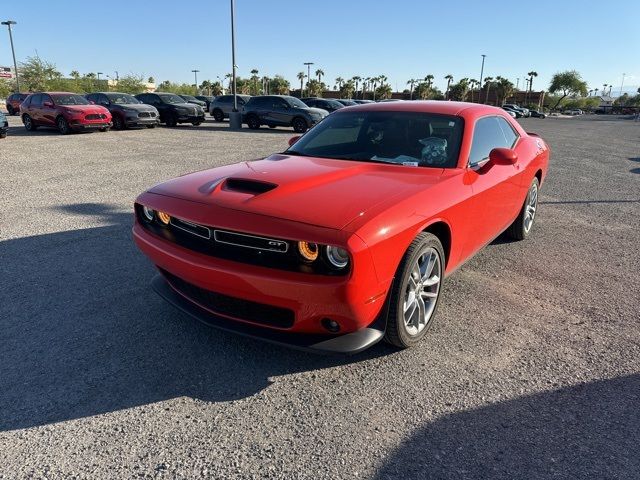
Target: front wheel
(522,225)
(118,123)
(171,121)
(299,125)
(416,291)
(63,126)
(195,124)
(151,126)
(3,134)
(28,123)
(218,116)
(10,110)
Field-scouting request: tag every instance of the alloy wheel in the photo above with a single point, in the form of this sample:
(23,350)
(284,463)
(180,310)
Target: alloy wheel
(421,293)
(530,209)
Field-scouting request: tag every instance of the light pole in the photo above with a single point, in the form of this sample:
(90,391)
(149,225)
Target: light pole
(117,76)
(482,68)
(235,118)
(308,64)
(622,84)
(8,23)
(195,74)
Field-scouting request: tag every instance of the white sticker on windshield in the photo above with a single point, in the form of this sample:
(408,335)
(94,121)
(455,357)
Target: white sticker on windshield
(452,124)
(410,164)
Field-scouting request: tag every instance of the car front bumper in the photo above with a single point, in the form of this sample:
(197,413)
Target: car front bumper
(190,118)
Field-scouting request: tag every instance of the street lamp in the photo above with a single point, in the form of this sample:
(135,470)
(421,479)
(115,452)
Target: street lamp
(308,64)
(235,117)
(195,74)
(622,84)
(482,68)
(8,23)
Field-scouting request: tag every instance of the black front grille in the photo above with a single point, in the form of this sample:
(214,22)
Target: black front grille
(95,116)
(233,307)
(146,114)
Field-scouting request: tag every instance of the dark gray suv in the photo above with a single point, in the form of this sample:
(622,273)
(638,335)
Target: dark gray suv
(126,110)
(223,105)
(281,110)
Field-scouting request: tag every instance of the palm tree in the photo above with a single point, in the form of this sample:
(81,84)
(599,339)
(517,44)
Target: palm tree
(319,74)
(595,92)
(487,83)
(356,80)
(254,77)
(301,76)
(365,83)
(339,82)
(473,83)
(229,76)
(411,82)
(449,79)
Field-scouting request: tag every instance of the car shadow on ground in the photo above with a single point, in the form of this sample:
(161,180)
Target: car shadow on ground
(216,127)
(587,431)
(83,333)
(20,131)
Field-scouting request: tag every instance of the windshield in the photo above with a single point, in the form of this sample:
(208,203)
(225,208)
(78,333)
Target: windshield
(188,97)
(403,138)
(296,102)
(171,98)
(70,99)
(122,98)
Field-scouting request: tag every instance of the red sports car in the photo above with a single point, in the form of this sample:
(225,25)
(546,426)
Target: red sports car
(345,238)
(65,111)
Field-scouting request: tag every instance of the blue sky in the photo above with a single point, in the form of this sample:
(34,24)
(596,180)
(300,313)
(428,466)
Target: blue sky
(401,39)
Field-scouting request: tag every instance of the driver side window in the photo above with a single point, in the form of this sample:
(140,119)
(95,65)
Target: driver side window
(487,135)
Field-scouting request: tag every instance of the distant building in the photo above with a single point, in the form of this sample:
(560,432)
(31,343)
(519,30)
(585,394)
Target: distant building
(148,86)
(6,72)
(606,102)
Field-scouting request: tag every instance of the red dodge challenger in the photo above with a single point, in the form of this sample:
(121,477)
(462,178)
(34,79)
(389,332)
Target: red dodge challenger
(345,238)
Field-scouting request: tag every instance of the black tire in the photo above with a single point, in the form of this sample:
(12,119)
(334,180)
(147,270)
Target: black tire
(63,126)
(3,134)
(299,125)
(171,121)
(520,229)
(118,123)
(151,126)
(105,129)
(28,123)
(272,126)
(195,124)
(10,110)
(253,122)
(218,115)
(397,331)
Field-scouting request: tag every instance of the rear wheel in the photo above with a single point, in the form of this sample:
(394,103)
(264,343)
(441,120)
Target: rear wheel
(416,291)
(218,115)
(10,110)
(63,126)
(252,122)
(522,225)
(28,123)
(172,121)
(299,125)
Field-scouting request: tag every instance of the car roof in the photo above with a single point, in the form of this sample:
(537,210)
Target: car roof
(428,106)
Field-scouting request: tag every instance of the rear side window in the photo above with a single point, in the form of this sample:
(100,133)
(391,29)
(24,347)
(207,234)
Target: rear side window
(490,133)
(36,100)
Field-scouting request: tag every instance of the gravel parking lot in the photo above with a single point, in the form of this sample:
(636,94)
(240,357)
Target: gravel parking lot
(531,371)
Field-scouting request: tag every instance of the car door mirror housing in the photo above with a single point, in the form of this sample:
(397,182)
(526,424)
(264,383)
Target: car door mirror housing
(47,104)
(293,140)
(503,156)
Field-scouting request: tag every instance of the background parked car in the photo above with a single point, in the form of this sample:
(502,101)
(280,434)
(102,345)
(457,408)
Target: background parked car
(281,110)
(346,102)
(126,110)
(194,100)
(364,101)
(523,111)
(327,104)
(537,113)
(65,111)
(206,99)
(173,109)
(223,105)
(4,125)
(13,102)
(517,112)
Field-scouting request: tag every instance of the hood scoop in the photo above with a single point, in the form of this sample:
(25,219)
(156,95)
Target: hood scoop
(245,185)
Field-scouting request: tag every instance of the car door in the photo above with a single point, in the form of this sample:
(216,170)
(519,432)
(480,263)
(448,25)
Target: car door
(280,113)
(496,188)
(48,111)
(34,109)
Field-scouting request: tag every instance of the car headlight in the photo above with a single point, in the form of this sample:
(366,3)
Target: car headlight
(308,251)
(337,256)
(148,213)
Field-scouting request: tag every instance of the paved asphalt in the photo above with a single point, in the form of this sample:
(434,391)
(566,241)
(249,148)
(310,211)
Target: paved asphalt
(532,370)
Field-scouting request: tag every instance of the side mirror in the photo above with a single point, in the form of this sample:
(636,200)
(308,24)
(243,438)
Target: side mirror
(293,140)
(92,102)
(503,156)
(47,104)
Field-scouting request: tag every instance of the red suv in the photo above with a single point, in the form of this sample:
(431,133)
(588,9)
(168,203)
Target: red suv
(13,102)
(65,111)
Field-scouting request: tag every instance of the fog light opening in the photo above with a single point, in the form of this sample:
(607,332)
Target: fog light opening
(330,325)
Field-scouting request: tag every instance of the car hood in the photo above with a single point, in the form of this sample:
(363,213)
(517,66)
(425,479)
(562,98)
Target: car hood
(320,111)
(86,109)
(316,191)
(138,107)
